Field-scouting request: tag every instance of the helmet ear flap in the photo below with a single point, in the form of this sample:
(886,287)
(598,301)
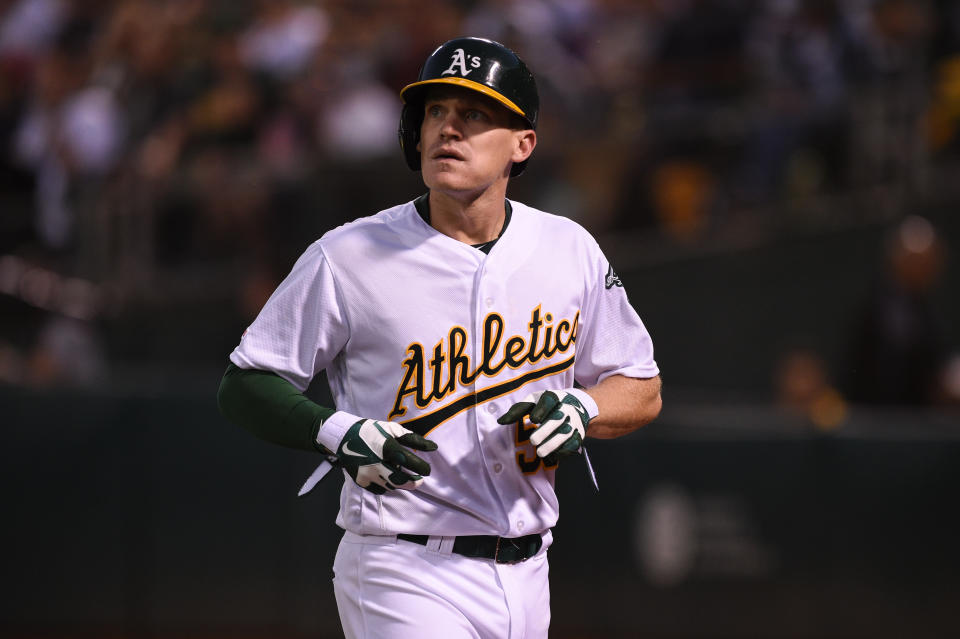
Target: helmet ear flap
(411,118)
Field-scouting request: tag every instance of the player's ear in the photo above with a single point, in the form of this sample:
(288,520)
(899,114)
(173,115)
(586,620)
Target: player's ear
(526,141)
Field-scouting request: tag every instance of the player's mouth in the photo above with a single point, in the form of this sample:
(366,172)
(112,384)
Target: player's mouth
(447,153)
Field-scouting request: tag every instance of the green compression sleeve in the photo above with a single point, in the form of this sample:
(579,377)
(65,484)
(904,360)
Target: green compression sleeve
(271,408)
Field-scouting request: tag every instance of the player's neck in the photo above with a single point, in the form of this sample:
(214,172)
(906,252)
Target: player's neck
(469,220)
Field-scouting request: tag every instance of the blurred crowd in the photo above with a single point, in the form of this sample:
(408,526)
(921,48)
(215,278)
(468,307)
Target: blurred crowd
(164,162)
(898,350)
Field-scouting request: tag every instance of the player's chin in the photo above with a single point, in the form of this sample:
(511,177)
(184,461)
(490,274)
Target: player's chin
(443,177)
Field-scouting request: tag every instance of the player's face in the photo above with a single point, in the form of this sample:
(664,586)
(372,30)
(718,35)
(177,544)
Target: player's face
(467,141)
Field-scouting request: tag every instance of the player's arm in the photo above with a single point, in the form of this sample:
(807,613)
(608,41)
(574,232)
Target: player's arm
(271,408)
(614,407)
(624,404)
(375,454)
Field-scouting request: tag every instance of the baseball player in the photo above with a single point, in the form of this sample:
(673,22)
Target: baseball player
(471,343)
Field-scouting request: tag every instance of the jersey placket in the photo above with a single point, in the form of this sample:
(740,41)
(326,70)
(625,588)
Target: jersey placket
(495,441)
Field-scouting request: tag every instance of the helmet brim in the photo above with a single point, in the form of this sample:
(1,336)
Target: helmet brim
(406,96)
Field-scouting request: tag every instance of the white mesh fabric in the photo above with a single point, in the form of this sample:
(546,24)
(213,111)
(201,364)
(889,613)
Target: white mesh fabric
(301,328)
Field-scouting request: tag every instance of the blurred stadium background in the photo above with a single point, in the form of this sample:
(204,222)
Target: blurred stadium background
(777,184)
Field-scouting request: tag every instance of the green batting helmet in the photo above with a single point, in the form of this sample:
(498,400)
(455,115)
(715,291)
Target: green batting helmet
(482,65)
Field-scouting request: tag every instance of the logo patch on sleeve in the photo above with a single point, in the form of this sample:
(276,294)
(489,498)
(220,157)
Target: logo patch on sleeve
(612,279)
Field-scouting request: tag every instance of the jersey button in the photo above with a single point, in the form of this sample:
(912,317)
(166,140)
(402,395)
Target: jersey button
(492,408)
(489,302)
(497,467)
(520,525)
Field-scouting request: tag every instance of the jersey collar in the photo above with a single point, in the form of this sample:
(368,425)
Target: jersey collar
(422,205)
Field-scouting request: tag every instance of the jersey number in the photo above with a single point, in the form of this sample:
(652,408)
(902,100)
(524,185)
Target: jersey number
(527,457)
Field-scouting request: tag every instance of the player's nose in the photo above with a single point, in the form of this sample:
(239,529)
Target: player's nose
(451,127)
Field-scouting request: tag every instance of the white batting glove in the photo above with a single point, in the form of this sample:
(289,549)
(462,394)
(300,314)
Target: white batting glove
(375,454)
(562,416)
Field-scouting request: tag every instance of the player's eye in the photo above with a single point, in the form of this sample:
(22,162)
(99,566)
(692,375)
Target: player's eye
(475,116)
(433,110)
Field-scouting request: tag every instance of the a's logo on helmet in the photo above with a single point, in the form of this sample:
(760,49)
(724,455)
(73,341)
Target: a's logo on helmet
(459,61)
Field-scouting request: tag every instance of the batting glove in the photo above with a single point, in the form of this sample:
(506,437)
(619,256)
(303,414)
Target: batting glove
(375,454)
(562,416)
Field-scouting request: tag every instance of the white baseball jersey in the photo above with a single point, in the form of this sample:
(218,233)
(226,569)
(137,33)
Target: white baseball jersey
(416,327)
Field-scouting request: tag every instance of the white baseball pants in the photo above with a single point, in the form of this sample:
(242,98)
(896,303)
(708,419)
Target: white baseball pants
(391,589)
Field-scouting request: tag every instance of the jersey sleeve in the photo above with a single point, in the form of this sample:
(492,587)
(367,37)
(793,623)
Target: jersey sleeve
(301,328)
(612,339)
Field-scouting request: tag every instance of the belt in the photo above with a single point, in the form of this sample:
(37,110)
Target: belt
(503,550)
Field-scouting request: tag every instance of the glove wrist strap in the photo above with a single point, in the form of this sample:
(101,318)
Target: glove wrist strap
(585,400)
(333,429)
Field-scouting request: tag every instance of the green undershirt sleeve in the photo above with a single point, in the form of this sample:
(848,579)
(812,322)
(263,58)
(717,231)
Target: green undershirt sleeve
(271,408)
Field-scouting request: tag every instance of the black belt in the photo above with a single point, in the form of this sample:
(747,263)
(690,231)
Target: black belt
(503,550)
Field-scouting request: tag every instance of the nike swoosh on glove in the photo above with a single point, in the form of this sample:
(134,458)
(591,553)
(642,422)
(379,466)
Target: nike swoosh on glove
(562,419)
(376,455)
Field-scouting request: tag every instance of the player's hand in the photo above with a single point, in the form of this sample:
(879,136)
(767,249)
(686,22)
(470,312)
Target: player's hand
(562,420)
(375,454)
